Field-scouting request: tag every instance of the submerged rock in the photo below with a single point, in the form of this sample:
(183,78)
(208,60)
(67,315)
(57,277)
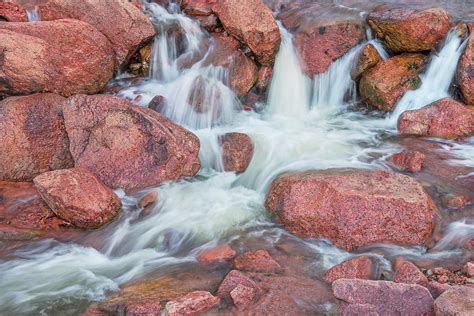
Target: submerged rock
(258,261)
(78,196)
(445,118)
(353,208)
(466,69)
(232,280)
(237,151)
(368,58)
(360,267)
(409,30)
(218,253)
(128,146)
(384,84)
(191,303)
(12,12)
(458,300)
(408,160)
(33,137)
(66,57)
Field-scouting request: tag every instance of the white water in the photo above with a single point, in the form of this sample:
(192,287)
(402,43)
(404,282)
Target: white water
(33,14)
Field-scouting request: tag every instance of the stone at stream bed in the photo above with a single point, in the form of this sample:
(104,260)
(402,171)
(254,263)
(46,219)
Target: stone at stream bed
(458,300)
(258,261)
(445,118)
(233,279)
(353,208)
(469,269)
(66,57)
(466,69)
(215,254)
(368,58)
(381,298)
(360,267)
(128,146)
(237,151)
(191,303)
(197,7)
(385,83)
(409,30)
(407,272)
(454,200)
(252,23)
(33,137)
(408,160)
(78,196)
(12,12)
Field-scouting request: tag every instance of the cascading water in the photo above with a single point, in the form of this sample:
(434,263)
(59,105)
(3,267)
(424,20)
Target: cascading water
(33,14)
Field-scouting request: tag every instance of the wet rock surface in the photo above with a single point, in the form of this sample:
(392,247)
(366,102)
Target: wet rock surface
(457,300)
(191,303)
(355,268)
(215,254)
(258,261)
(407,272)
(12,12)
(237,151)
(409,160)
(466,69)
(368,58)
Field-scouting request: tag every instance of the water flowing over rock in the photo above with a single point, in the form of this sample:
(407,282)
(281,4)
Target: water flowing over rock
(364,297)
(360,267)
(258,261)
(218,253)
(458,300)
(33,137)
(191,303)
(12,12)
(237,151)
(445,118)
(353,208)
(128,146)
(368,58)
(252,23)
(466,69)
(66,57)
(78,196)
(383,85)
(409,30)
(126,27)
(408,160)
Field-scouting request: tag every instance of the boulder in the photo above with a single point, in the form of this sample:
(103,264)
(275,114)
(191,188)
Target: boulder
(355,268)
(381,297)
(436,288)
(192,303)
(407,272)
(252,23)
(445,118)
(148,199)
(405,29)
(197,7)
(385,83)
(231,281)
(457,300)
(218,253)
(258,261)
(466,69)
(408,160)
(12,12)
(237,151)
(243,296)
(353,208)
(264,78)
(33,136)
(128,146)
(126,26)
(78,196)
(368,58)
(66,57)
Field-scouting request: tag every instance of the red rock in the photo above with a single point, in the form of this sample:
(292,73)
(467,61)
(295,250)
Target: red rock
(445,118)
(126,27)
(408,160)
(66,57)
(242,295)
(355,268)
(197,7)
(264,78)
(258,261)
(454,200)
(208,22)
(436,288)
(148,199)
(409,30)
(353,208)
(218,253)
(237,151)
(368,58)
(12,12)
(33,136)
(252,23)
(458,300)
(78,196)
(406,272)
(192,303)
(128,146)
(385,83)
(233,279)
(384,297)
(466,69)
(158,103)
(469,269)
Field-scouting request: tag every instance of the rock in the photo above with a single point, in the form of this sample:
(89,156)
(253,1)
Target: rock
(218,253)
(78,196)
(445,118)
(264,78)
(408,160)
(12,12)
(409,30)
(148,199)
(158,103)
(126,26)
(469,269)
(355,268)
(208,22)
(66,57)
(353,208)
(191,303)
(33,136)
(436,288)
(383,297)
(258,261)
(197,7)
(237,151)
(385,83)
(128,146)
(252,23)
(458,300)
(406,272)
(233,279)
(368,58)
(454,200)
(242,295)
(466,69)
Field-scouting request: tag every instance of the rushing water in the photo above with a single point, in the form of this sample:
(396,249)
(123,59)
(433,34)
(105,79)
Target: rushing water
(307,124)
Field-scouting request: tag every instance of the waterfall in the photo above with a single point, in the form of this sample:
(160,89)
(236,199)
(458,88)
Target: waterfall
(33,14)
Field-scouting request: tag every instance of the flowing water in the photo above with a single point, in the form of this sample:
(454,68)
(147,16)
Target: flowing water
(307,123)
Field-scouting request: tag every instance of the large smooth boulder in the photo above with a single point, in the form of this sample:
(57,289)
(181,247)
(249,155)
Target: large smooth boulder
(353,208)
(237,151)
(126,26)
(365,297)
(252,23)
(383,85)
(445,118)
(405,29)
(12,12)
(78,196)
(466,69)
(66,57)
(33,137)
(128,146)
(457,300)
